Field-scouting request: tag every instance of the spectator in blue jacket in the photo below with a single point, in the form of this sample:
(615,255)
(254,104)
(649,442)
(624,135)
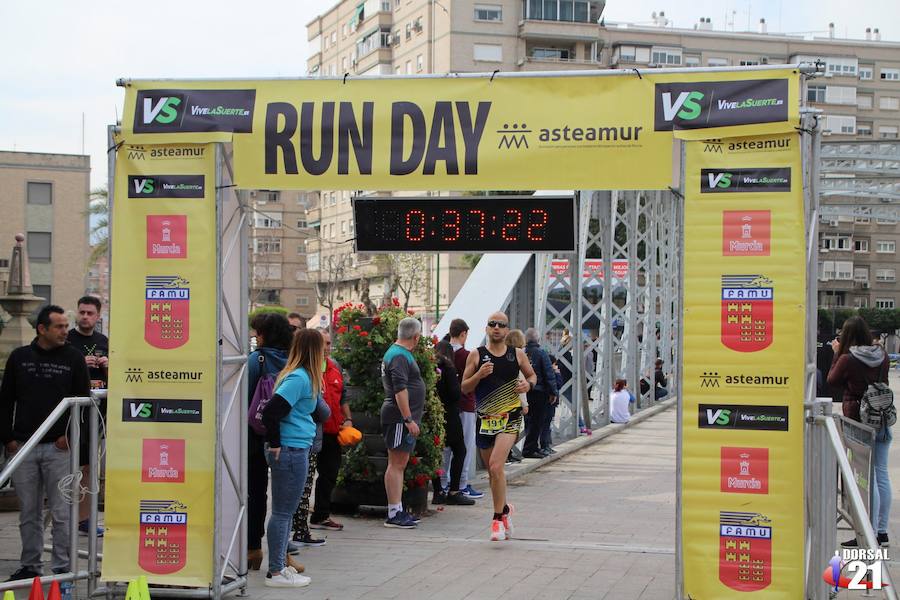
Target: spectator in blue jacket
(541,396)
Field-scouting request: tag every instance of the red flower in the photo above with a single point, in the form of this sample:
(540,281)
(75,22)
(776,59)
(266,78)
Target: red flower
(410,312)
(364,334)
(342,329)
(376,321)
(439,473)
(421,479)
(434,339)
(413,460)
(437,440)
(395,302)
(357,328)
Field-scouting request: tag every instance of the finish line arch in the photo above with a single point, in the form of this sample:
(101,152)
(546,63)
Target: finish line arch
(697,143)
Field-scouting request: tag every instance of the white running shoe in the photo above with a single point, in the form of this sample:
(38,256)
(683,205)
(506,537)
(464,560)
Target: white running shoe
(507,522)
(288,578)
(498,532)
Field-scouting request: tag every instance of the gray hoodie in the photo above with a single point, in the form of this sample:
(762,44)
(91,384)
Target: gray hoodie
(871,356)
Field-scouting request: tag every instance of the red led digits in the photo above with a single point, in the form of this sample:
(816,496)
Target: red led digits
(450,221)
(411,226)
(537,225)
(512,220)
(481,220)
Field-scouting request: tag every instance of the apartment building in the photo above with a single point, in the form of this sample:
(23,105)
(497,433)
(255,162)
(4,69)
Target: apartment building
(278,236)
(45,196)
(859,95)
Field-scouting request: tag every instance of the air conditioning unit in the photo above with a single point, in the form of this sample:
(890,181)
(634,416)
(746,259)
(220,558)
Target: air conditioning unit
(865,285)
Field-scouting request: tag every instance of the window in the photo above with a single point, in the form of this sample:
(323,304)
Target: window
(827,270)
(865,73)
(263,221)
(884,303)
(717,62)
(885,275)
(665,56)
(301,224)
(553,53)
(890,74)
(39,193)
(488,52)
(409,67)
(332,198)
(39,246)
(268,296)
(691,60)
(301,275)
(889,103)
(558,10)
(267,245)
(815,93)
(844,270)
(749,62)
(331,230)
(838,124)
(302,300)
(420,63)
(863,129)
(860,274)
(885,247)
(841,66)
(333,38)
(344,64)
(861,302)
(344,31)
(488,12)
(408,30)
(840,94)
(379,38)
(45,292)
(312,262)
(264,272)
(343,226)
(860,245)
(887,132)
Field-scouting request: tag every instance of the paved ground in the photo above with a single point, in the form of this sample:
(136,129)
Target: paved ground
(597,523)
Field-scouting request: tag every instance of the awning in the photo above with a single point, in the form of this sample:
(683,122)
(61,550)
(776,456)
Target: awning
(357,17)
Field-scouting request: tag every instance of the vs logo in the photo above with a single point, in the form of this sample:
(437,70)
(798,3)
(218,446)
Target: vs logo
(686,105)
(719,180)
(144,186)
(162,110)
(719,416)
(140,410)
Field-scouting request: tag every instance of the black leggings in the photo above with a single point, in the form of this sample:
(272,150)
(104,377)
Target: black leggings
(257,488)
(453,439)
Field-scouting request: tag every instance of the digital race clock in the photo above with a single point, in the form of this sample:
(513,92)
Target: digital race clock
(465,224)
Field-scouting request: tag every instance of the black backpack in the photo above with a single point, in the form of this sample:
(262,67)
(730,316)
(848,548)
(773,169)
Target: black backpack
(876,407)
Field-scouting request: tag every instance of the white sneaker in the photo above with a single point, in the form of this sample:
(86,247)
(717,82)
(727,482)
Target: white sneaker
(507,522)
(498,532)
(287,578)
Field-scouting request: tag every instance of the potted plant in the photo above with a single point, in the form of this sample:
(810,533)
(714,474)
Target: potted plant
(360,343)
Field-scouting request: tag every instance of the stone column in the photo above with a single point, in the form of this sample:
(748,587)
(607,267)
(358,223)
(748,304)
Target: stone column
(19,302)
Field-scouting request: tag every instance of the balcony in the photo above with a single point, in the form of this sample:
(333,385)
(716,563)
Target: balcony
(558,30)
(374,57)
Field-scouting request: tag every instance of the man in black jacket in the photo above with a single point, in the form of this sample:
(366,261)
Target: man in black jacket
(37,378)
(541,396)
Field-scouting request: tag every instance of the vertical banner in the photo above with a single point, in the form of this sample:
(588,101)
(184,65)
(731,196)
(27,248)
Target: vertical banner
(744,315)
(160,462)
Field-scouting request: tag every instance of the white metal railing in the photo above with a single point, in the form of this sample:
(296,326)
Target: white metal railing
(73,406)
(827,456)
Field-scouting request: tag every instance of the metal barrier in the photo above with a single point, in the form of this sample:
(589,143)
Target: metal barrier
(72,405)
(827,457)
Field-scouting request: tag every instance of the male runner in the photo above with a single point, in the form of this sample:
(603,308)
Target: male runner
(493,374)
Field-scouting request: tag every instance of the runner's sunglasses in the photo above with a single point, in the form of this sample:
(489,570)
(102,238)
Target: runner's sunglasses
(499,324)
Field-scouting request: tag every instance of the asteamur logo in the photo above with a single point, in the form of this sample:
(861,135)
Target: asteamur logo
(720,104)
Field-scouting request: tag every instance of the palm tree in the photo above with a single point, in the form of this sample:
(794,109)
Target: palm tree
(97,212)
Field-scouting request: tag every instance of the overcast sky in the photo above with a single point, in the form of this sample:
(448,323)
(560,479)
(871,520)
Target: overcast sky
(59,59)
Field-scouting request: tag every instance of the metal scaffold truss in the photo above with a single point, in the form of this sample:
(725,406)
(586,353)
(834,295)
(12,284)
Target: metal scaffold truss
(620,303)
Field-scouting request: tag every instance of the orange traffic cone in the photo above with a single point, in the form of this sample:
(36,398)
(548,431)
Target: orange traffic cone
(37,592)
(54,593)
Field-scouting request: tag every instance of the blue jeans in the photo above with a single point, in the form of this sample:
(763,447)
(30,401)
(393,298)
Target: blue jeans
(881,498)
(546,427)
(288,480)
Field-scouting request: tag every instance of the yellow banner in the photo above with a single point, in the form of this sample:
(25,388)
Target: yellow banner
(160,459)
(463,133)
(743,376)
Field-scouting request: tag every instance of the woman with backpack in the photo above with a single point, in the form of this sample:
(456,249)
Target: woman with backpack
(290,431)
(859,362)
(273,340)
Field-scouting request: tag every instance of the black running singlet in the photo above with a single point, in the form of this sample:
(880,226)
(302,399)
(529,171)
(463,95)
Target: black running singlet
(496,394)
